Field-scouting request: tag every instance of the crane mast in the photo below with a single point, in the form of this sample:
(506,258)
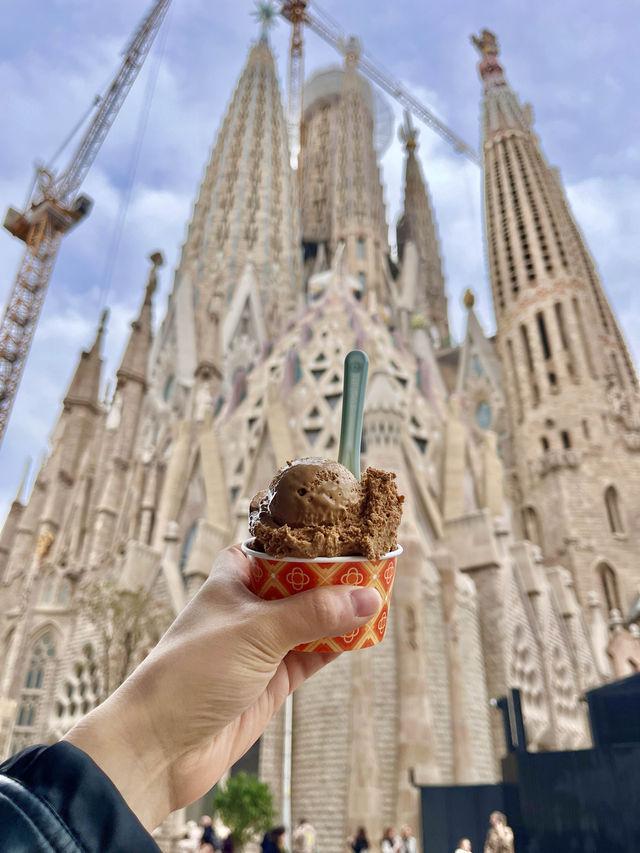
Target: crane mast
(51,212)
(298,14)
(295,12)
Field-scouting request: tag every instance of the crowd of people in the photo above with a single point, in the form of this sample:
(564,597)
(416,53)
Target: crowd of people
(204,838)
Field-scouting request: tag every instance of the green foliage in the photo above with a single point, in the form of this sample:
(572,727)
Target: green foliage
(245,805)
(128,624)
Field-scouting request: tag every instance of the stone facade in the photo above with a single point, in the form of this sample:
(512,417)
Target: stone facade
(514,553)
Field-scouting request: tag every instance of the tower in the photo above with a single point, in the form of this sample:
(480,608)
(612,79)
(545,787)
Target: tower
(417,225)
(341,191)
(571,386)
(238,279)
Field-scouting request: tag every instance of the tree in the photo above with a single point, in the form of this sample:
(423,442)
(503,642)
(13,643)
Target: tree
(245,805)
(128,624)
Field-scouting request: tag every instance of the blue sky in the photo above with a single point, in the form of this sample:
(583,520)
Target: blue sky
(576,63)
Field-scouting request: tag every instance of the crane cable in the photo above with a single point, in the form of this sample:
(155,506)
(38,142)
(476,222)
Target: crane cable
(125,198)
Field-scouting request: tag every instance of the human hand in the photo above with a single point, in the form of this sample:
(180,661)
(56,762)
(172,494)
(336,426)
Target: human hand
(211,685)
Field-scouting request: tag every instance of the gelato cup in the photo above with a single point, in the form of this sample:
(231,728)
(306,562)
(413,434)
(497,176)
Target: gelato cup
(272,578)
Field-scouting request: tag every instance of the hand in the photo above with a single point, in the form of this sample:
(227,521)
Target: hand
(211,685)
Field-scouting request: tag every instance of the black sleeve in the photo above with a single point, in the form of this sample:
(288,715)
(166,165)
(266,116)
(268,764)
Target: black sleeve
(55,798)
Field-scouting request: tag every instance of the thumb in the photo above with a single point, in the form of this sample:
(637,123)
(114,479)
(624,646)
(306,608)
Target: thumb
(326,611)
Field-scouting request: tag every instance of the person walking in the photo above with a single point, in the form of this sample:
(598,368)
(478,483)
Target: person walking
(464,846)
(304,837)
(409,843)
(360,844)
(390,841)
(500,836)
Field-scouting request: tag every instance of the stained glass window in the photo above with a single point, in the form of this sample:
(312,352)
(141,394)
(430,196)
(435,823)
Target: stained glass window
(483,415)
(40,663)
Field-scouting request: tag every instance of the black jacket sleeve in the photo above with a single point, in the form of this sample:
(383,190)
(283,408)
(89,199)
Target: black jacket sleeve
(55,798)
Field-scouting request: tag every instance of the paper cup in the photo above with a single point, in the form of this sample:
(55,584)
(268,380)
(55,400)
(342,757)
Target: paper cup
(273,578)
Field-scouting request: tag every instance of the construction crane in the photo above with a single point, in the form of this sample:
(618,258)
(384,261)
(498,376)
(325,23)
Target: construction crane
(298,14)
(52,210)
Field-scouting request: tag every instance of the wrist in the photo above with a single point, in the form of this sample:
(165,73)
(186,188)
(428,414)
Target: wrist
(119,738)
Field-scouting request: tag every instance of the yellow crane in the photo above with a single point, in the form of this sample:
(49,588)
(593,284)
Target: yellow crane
(54,207)
(298,14)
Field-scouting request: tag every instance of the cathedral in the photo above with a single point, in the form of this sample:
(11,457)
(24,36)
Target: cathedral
(518,454)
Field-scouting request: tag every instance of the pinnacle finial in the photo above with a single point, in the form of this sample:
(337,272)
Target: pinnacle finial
(408,133)
(486,43)
(157,260)
(468,299)
(19,493)
(352,50)
(266,14)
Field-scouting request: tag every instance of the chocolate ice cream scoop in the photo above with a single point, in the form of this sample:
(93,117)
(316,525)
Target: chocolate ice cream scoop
(316,508)
(313,491)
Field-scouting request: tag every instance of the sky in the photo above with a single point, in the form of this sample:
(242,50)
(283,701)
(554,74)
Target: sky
(575,62)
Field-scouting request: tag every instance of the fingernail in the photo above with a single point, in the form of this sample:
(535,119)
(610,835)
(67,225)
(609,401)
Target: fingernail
(365,601)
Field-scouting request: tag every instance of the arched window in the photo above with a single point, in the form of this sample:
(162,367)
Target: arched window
(531,525)
(186,546)
(168,389)
(609,583)
(613,510)
(41,663)
(64,592)
(48,589)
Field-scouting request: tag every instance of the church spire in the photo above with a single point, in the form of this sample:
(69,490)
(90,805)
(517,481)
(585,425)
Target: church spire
(564,360)
(246,211)
(417,225)
(358,214)
(84,388)
(134,362)
(532,237)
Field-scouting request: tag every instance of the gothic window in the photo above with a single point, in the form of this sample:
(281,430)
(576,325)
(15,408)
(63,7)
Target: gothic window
(64,592)
(361,249)
(48,589)
(477,365)
(609,583)
(531,525)
(612,505)
(483,415)
(544,441)
(566,439)
(362,278)
(186,547)
(168,388)
(41,663)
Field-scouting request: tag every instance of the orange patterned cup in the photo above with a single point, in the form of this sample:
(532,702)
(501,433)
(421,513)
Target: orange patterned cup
(273,578)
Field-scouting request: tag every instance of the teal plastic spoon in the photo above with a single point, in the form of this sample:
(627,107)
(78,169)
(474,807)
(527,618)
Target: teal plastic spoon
(356,367)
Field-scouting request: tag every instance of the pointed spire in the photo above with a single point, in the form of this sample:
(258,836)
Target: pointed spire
(417,225)
(502,109)
(20,492)
(247,206)
(134,362)
(358,213)
(84,388)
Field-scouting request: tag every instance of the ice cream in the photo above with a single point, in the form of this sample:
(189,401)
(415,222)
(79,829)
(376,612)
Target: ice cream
(316,508)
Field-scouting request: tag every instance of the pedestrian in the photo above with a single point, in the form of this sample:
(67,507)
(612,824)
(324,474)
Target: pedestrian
(409,843)
(273,842)
(390,841)
(464,846)
(209,842)
(227,844)
(168,734)
(360,844)
(500,836)
(304,837)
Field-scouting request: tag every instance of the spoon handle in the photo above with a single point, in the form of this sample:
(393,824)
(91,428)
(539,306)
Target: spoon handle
(356,367)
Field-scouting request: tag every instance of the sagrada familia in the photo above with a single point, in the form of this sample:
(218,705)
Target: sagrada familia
(519,454)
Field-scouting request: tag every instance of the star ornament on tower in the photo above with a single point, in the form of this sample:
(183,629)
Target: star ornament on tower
(266,14)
